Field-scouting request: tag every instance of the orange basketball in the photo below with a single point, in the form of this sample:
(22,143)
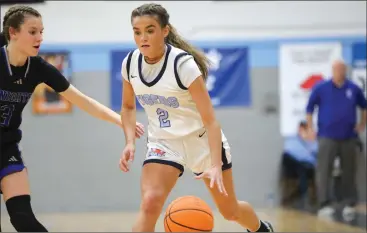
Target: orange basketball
(188,214)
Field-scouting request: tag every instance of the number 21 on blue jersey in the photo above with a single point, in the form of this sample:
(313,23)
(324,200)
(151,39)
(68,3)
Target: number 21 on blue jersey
(6,112)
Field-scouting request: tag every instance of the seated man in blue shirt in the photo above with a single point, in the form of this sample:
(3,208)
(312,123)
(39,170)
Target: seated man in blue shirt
(337,100)
(300,153)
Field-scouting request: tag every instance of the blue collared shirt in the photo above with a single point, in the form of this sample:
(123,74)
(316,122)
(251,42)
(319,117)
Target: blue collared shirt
(301,150)
(337,106)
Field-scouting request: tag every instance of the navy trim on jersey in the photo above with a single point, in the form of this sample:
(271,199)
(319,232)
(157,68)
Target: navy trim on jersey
(160,75)
(176,71)
(226,165)
(10,170)
(10,72)
(3,50)
(166,162)
(128,64)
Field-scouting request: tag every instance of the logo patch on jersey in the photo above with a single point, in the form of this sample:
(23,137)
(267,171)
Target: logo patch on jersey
(150,99)
(155,152)
(15,97)
(19,81)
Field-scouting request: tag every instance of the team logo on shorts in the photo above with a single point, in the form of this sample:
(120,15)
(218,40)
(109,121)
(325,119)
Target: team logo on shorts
(155,152)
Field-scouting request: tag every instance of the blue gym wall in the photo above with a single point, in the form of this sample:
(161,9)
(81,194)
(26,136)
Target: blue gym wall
(262,54)
(77,170)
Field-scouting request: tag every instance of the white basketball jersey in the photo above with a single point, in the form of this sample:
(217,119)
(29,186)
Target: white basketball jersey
(167,103)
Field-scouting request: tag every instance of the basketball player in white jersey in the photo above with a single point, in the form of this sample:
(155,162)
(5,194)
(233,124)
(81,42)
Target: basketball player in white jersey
(168,76)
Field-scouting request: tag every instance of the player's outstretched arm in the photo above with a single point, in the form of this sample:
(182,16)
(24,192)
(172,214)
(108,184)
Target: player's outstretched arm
(95,108)
(201,97)
(56,80)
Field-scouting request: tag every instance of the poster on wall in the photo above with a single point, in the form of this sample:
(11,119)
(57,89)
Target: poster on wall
(45,100)
(359,65)
(301,67)
(228,82)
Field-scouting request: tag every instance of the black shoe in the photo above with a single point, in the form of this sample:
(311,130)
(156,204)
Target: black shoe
(270,227)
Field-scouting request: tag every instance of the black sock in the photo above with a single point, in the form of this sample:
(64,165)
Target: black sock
(22,216)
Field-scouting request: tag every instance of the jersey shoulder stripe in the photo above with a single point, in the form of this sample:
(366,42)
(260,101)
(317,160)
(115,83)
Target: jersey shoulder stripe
(177,58)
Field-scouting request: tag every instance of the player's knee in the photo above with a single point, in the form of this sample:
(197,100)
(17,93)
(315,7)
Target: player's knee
(229,212)
(21,215)
(230,215)
(153,201)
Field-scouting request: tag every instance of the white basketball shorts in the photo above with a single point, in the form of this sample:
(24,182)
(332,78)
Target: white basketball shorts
(191,151)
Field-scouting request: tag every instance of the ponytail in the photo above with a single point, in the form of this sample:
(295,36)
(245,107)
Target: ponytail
(3,40)
(176,40)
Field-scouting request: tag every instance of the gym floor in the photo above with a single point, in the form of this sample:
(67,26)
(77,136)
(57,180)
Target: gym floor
(284,220)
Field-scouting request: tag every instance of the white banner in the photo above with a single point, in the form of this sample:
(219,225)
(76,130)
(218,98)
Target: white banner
(301,66)
(360,78)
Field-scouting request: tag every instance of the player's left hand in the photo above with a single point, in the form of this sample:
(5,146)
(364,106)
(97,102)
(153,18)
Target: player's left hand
(127,157)
(139,130)
(215,175)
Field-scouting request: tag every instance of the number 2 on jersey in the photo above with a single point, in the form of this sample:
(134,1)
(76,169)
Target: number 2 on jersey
(6,112)
(163,118)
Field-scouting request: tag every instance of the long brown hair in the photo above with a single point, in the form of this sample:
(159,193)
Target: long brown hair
(173,37)
(14,18)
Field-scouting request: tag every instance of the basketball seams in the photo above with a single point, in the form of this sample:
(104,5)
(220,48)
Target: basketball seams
(165,220)
(181,198)
(192,209)
(169,223)
(191,228)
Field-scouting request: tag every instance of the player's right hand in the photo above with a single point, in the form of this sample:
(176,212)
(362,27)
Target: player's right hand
(127,157)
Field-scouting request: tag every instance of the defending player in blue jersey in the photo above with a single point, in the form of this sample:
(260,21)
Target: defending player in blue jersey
(21,71)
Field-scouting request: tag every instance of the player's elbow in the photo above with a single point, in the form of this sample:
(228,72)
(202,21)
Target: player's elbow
(77,98)
(127,106)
